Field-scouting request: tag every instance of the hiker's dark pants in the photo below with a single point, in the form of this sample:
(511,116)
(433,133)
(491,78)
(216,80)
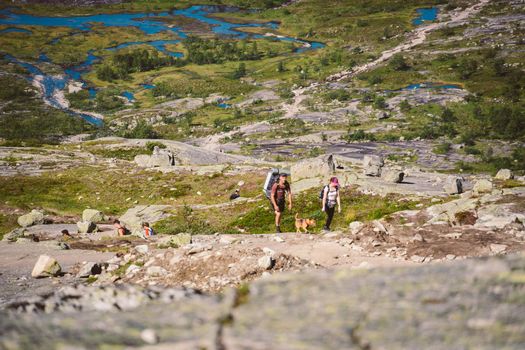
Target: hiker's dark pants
(329,216)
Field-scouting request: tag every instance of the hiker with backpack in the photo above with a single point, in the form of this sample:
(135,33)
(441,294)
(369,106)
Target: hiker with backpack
(121,230)
(331,198)
(278,194)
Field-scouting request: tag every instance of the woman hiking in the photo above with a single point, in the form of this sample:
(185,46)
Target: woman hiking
(331,198)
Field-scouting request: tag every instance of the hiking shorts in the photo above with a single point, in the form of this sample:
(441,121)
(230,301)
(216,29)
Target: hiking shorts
(281,205)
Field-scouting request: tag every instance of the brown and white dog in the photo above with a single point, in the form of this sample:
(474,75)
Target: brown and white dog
(303,224)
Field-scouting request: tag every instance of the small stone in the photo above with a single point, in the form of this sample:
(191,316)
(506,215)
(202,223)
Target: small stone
(482,186)
(417,258)
(227,240)
(356,227)
(450,256)
(89,268)
(149,336)
(175,260)
(418,238)
(86,227)
(35,217)
(132,268)
(453,185)
(92,215)
(278,239)
(266,262)
(268,251)
(392,176)
(379,227)
(497,248)
(156,271)
(46,266)
(504,174)
(142,249)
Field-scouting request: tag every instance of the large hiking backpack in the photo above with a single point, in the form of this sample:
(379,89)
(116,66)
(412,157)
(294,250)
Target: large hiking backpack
(321,194)
(271,178)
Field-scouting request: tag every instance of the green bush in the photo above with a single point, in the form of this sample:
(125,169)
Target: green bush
(150,145)
(141,131)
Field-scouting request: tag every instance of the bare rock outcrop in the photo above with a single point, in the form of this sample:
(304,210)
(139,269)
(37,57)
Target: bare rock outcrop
(291,311)
(372,165)
(321,167)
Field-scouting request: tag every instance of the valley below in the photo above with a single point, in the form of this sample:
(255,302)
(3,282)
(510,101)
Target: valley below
(172,114)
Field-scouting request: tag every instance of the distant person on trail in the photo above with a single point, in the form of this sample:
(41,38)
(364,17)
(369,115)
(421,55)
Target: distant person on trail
(278,199)
(121,230)
(147,231)
(331,198)
(235,195)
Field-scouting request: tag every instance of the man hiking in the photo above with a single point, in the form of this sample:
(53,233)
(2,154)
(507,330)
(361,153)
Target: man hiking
(278,199)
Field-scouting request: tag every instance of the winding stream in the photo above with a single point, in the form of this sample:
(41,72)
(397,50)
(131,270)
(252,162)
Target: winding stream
(149,23)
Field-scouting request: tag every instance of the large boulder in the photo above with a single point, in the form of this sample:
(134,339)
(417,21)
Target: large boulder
(482,186)
(14,235)
(35,217)
(393,176)
(453,185)
(92,215)
(372,165)
(46,266)
(320,167)
(88,269)
(134,217)
(347,179)
(86,227)
(499,215)
(448,212)
(159,158)
(504,174)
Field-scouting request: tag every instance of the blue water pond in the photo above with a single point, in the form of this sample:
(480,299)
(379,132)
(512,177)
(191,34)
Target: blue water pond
(429,85)
(149,23)
(425,14)
(129,95)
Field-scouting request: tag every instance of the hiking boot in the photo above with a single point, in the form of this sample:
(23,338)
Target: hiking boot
(277,229)
(326,229)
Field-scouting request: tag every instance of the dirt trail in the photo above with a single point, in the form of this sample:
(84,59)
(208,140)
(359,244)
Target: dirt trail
(417,37)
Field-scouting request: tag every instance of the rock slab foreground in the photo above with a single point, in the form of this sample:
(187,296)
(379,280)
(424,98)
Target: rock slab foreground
(470,304)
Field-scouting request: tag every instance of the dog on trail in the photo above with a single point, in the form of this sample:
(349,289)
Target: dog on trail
(303,224)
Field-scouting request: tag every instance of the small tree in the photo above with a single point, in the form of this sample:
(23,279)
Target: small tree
(240,71)
(280,67)
(398,62)
(467,67)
